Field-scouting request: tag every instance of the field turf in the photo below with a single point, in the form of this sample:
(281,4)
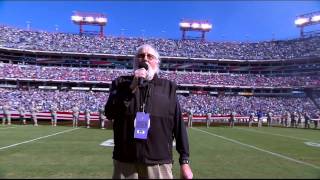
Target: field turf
(216,152)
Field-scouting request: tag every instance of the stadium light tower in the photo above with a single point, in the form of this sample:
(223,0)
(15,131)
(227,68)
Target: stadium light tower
(91,19)
(307,20)
(195,25)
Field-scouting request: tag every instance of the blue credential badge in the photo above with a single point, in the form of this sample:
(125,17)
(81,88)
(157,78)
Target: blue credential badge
(141,125)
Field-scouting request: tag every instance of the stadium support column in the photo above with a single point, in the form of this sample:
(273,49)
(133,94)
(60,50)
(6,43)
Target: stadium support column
(202,36)
(301,32)
(183,34)
(101,31)
(81,29)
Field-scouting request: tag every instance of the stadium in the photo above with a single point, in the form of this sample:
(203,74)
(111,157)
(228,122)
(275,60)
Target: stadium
(43,70)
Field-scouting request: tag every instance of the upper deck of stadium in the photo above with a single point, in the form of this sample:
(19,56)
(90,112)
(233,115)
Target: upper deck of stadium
(65,42)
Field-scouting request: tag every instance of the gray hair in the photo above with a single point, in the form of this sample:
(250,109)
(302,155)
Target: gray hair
(139,49)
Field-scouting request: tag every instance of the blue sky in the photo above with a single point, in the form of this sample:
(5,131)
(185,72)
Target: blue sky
(233,20)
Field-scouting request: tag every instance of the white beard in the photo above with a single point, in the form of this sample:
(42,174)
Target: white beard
(150,73)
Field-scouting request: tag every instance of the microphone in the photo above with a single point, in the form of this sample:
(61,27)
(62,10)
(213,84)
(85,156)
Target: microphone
(144,65)
(138,81)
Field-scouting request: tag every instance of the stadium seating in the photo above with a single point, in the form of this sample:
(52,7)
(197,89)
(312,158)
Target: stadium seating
(201,104)
(63,42)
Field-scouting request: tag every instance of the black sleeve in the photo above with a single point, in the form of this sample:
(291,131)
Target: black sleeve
(110,107)
(180,134)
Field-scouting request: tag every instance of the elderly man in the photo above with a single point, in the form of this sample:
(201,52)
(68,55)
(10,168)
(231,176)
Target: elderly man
(146,119)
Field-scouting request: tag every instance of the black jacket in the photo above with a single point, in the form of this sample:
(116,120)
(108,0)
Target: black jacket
(166,121)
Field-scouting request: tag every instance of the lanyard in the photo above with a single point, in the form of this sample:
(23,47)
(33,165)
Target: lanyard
(145,98)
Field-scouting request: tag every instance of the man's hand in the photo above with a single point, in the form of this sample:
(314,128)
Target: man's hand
(138,73)
(185,172)
(142,72)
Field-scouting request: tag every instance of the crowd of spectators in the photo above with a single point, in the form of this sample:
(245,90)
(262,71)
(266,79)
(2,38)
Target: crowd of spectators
(242,105)
(107,75)
(316,97)
(65,42)
(43,100)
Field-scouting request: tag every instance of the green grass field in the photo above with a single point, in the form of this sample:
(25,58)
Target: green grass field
(216,152)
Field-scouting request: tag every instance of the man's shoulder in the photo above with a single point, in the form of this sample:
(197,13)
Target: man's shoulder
(163,81)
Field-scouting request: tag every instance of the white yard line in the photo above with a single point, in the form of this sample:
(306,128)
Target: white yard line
(42,137)
(259,149)
(7,128)
(253,130)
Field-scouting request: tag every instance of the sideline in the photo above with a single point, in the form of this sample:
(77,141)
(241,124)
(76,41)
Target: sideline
(7,128)
(42,137)
(259,149)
